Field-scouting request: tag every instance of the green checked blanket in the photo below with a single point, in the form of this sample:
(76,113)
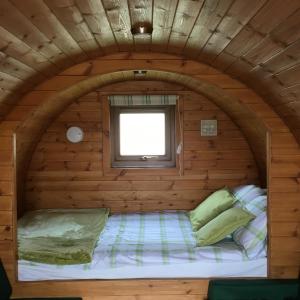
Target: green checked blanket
(164,237)
(60,236)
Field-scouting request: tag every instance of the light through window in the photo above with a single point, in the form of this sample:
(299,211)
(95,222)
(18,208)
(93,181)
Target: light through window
(142,134)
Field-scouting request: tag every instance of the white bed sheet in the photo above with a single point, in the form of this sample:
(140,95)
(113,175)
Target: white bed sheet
(151,245)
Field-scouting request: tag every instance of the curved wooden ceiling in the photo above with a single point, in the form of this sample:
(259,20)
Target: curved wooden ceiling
(256,41)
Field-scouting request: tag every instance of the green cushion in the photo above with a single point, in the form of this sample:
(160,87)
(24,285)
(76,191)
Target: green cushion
(224,224)
(211,207)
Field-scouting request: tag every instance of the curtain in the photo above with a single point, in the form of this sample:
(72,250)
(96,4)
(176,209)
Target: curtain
(133,100)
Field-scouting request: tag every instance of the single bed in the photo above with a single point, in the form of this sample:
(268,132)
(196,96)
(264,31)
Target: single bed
(152,245)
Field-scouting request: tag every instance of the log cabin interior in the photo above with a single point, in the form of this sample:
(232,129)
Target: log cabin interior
(233,68)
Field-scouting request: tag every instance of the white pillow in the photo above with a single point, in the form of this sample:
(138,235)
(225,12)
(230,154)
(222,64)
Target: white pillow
(252,237)
(246,193)
(257,205)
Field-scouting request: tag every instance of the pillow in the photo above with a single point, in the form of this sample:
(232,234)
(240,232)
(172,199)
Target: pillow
(257,205)
(211,207)
(252,237)
(246,193)
(225,223)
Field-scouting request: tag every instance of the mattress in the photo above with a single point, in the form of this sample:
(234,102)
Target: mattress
(151,245)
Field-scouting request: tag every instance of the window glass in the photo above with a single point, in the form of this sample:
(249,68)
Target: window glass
(142,134)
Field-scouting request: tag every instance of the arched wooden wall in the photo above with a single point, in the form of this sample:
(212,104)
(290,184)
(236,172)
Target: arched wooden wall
(34,112)
(66,175)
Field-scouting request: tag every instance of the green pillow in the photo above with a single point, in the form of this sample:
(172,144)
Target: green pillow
(211,207)
(224,224)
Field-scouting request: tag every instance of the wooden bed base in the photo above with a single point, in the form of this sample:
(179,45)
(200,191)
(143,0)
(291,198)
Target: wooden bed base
(117,289)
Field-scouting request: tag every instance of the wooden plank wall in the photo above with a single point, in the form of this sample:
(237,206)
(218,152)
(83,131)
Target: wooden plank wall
(7,198)
(62,174)
(283,183)
(284,204)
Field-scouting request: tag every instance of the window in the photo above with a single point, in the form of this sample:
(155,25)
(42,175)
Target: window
(143,136)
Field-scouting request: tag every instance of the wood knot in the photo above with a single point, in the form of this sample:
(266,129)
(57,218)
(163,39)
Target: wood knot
(123,172)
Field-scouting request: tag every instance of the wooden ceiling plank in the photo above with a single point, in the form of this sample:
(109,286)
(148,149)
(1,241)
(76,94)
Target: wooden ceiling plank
(14,67)
(141,12)
(17,24)
(40,15)
(291,93)
(294,106)
(289,30)
(268,87)
(284,108)
(232,23)
(71,18)
(210,16)
(16,48)
(272,14)
(117,12)
(9,82)
(258,28)
(263,51)
(285,59)
(273,50)
(240,45)
(163,17)
(240,69)
(283,35)
(94,14)
(186,15)
(264,82)
(290,76)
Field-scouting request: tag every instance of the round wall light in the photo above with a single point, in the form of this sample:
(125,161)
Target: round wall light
(74,134)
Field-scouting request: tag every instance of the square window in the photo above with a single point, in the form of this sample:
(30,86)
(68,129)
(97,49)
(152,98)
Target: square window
(143,136)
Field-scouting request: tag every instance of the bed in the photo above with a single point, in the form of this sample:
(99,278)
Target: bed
(151,245)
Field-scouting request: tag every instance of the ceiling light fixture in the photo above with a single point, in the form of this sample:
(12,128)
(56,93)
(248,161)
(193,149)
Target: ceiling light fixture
(141,28)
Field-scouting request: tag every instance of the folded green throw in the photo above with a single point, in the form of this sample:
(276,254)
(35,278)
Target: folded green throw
(60,236)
